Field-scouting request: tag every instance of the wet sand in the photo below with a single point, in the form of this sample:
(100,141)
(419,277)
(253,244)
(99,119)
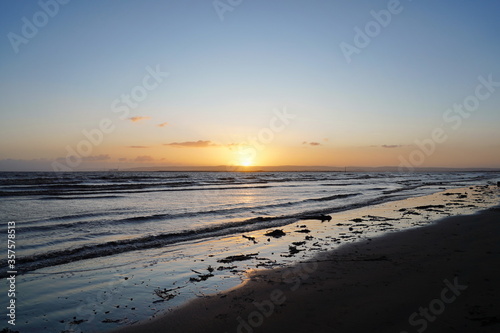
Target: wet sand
(438,278)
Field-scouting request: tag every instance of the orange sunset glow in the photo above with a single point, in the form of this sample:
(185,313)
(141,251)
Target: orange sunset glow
(222,93)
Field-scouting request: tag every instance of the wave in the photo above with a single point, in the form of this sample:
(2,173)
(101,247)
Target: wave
(54,258)
(69,217)
(60,257)
(34,226)
(333,197)
(84,184)
(110,186)
(82,198)
(114,190)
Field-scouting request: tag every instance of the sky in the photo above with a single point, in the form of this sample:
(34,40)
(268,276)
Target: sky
(120,84)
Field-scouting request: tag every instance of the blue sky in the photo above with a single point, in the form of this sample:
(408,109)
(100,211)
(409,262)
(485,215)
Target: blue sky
(226,77)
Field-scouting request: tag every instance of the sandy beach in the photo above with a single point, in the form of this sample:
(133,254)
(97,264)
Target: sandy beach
(437,278)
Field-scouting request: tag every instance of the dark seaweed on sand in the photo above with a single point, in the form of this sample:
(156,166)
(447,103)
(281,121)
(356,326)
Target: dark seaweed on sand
(277,233)
(239,257)
(250,238)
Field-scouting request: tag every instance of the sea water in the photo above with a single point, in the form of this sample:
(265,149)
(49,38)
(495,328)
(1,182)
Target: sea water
(85,239)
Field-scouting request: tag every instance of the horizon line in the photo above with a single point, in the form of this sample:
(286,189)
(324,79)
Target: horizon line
(277,168)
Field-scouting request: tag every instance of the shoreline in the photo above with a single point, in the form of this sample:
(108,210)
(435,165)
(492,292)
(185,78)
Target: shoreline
(126,289)
(369,285)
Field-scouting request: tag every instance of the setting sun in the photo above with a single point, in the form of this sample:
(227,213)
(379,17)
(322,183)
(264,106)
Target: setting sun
(244,156)
(245,162)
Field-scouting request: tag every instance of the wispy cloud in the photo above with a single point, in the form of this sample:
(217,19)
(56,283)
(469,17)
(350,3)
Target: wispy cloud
(137,119)
(238,146)
(311,143)
(96,158)
(144,158)
(391,146)
(192,144)
(162,125)
(138,147)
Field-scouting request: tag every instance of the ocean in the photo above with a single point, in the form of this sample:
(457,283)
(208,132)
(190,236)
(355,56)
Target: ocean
(98,228)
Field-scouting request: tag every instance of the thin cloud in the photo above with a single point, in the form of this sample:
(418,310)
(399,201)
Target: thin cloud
(96,158)
(192,144)
(391,146)
(138,147)
(311,143)
(144,158)
(137,119)
(162,124)
(237,146)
